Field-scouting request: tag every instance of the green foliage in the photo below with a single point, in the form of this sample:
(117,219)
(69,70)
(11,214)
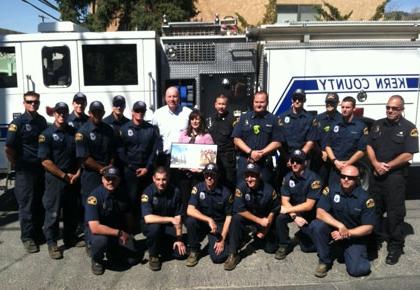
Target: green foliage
(333,14)
(380,11)
(270,16)
(243,24)
(132,14)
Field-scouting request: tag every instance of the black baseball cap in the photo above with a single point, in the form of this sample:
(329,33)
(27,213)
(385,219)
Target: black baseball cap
(96,106)
(139,106)
(299,94)
(211,168)
(61,106)
(298,155)
(111,172)
(332,98)
(118,101)
(252,168)
(79,97)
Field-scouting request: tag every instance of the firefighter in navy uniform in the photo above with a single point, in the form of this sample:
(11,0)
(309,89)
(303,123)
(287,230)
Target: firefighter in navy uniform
(21,151)
(255,206)
(257,136)
(220,126)
(57,151)
(116,119)
(392,142)
(345,218)
(78,117)
(209,212)
(161,209)
(137,147)
(320,162)
(300,192)
(107,216)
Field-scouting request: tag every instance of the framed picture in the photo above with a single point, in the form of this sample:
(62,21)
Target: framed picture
(192,155)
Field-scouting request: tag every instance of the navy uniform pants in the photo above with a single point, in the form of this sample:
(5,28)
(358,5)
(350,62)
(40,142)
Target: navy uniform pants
(29,187)
(160,239)
(354,250)
(59,194)
(389,194)
(89,181)
(109,245)
(304,234)
(196,231)
(135,188)
(240,227)
(227,166)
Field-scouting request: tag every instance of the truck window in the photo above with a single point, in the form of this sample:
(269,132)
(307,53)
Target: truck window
(56,66)
(110,64)
(8,78)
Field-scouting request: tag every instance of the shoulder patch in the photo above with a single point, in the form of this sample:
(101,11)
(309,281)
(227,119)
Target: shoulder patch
(414,133)
(274,194)
(370,203)
(235,121)
(316,184)
(194,190)
(365,131)
(315,122)
(325,191)
(144,198)
(280,122)
(92,200)
(231,197)
(12,128)
(79,137)
(41,138)
(238,193)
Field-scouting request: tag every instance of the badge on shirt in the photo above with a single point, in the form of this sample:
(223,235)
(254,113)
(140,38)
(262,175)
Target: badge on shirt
(292,183)
(202,195)
(400,134)
(92,200)
(79,137)
(130,132)
(256,129)
(41,138)
(92,136)
(238,193)
(246,122)
(144,198)
(365,131)
(327,129)
(370,203)
(337,198)
(315,184)
(247,197)
(71,124)
(28,127)
(315,123)
(55,137)
(376,129)
(414,133)
(336,128)
(155,200)
(12,128)
(287,120)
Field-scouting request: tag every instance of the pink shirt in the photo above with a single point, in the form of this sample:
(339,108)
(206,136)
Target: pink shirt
(200,139)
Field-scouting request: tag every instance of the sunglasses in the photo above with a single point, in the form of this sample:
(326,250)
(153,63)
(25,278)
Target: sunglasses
(391,108)
(119,104)
(343,176)
(34,102)
(297,161)
(211,175)
(62,112)
(109,178)
(139,111)
(298,99)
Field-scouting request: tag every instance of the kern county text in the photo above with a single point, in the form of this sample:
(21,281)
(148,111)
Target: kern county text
(368,83)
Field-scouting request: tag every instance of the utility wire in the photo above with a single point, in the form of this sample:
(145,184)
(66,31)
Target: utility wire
(39,9)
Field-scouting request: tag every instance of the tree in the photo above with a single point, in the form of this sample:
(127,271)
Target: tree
(380,11)
(333,14)
(270,16)
(131,14)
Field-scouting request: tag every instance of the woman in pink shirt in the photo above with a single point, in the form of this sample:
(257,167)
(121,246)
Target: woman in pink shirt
(196,133)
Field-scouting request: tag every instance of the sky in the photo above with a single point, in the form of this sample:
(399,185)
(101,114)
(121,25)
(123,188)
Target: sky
(19,16)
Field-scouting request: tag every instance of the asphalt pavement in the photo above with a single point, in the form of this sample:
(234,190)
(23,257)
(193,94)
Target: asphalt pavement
(258,270)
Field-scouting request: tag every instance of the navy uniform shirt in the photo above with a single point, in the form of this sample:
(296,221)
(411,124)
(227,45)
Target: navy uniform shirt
(109,208)
(114,123)
(300,188)
(96,141)
(298,129)
(22,136)
(346,138)
(220,128)
(257,131)
(324,122)
(77,122)
(260,201)
(137,145)
(166,203)
(58,145)
(390,139)
(216,203)
(353,210)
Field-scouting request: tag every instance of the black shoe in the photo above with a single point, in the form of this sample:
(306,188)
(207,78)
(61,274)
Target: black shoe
(322,270)
(74,242)
(393,257)
(282,252)
(30,246)
(192,259)
(154,263)
(231,262)
(97,268)
(54,252)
